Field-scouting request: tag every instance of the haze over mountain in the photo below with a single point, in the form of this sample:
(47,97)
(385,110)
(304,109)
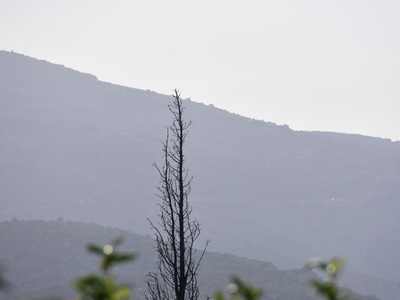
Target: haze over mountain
(56,248)
(74,147)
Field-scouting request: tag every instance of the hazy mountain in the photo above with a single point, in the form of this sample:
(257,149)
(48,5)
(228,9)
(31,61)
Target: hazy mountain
(74,147)
(44,259)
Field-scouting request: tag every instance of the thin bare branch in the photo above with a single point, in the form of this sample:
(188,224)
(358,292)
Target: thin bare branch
(175,236)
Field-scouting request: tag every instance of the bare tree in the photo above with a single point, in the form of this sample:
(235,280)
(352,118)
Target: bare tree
(175,234)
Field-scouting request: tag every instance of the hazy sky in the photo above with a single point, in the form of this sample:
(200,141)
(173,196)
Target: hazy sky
(329,65)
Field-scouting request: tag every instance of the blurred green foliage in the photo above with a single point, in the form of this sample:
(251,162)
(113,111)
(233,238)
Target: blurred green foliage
(240,290)
(103,286)
(328,287)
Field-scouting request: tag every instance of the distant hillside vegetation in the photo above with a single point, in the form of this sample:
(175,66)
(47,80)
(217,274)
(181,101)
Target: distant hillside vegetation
(43,259)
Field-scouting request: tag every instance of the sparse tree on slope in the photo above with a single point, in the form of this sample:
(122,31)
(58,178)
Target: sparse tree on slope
(175,234)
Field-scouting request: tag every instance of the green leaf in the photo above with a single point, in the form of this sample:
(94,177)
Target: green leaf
(122,293)
(96,249)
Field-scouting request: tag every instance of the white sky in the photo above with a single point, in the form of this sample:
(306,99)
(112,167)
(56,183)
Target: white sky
(329,65)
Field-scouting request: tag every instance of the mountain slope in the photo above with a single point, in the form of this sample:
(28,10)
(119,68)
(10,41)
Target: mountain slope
(74,147)
(44,259)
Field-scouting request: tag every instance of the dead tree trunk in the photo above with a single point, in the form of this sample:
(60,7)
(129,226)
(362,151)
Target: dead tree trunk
(175,234)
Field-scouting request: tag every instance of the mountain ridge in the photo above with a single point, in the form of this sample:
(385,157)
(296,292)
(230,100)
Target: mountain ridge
(78,148)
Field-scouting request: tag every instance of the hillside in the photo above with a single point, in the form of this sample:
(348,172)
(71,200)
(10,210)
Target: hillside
(44,258)
(81,149)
